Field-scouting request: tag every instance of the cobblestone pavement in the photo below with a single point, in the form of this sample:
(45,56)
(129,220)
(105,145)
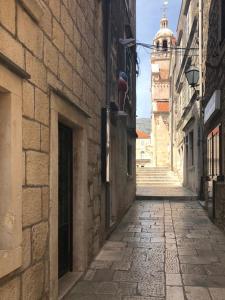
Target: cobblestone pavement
(161,250)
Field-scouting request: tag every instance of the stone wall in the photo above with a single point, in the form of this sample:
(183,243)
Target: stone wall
(161,147)
(220,205)
(121,187)
(214,79)
(187,158)
(59,43)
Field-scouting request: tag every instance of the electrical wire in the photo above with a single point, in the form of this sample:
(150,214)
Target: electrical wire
(159,48)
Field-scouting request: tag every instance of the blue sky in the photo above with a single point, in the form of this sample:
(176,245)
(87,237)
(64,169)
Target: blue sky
(149,13)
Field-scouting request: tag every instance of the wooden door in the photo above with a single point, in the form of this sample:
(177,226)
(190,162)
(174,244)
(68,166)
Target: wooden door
(65,190)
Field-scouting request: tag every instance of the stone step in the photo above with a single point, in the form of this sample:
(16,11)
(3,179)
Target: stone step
(158,176)
(152,175)
(156,180)
(166,172)
(160,173)
(170,198)
(157,184)
(153,171)
(161,184)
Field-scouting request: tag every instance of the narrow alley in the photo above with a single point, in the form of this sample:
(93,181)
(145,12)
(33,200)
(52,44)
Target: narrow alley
(161,250)
(112,150)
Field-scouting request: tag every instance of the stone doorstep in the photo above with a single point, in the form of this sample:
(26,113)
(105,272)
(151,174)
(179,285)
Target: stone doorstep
(170,198)
(67,282)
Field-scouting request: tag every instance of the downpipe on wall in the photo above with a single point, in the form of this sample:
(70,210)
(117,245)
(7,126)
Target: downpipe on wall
(201,137)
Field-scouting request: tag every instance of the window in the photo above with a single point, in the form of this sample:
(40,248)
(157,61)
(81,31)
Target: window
(214,152)
(189,23)
(186,148)
(180,53)
(157,45)
(165,45)
(191,147)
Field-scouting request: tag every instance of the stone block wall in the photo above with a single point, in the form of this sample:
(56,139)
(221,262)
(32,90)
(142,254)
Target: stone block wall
(220,205)
(214,79)
(59,43)
(186,109)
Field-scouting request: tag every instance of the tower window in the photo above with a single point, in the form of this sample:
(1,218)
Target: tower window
(165,45)
(157,45)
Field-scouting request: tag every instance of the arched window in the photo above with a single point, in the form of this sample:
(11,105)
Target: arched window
(165,45)
(157,45)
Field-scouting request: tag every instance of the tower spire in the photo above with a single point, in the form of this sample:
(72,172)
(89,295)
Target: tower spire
(165,8)
(164,20)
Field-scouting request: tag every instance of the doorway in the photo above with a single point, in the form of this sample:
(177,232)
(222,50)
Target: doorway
(65,192)
(214,166)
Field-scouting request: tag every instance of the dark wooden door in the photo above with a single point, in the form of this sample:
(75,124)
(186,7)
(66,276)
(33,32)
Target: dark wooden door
(65,248)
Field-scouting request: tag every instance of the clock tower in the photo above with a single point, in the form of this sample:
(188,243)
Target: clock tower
(160,93)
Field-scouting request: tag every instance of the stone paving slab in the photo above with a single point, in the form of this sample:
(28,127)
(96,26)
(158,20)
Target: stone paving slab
(162,250)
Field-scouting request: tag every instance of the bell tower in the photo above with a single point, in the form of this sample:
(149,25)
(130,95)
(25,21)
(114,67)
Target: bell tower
(160,92)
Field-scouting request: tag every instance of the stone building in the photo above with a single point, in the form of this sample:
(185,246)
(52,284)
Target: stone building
(160,93)
(214,108)
(185,124)
(59,64)
(144,124)
(144,151)
(120,112)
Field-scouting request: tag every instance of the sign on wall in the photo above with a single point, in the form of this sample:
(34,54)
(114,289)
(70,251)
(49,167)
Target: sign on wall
(213,106)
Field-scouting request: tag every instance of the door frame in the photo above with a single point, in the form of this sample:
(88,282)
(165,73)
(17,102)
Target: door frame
(64,111)
(211,177)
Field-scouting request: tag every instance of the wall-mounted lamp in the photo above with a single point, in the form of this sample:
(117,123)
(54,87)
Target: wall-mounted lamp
(192,75)
(128,43)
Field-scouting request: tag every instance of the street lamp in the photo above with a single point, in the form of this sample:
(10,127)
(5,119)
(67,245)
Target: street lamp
(192,75)
(127,43)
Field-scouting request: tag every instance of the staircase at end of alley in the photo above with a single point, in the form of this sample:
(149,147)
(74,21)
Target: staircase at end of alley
(161,183)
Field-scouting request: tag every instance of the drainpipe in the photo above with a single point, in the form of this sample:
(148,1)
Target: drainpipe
(108,129)
(108,69)
(200,50)
(201,146)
